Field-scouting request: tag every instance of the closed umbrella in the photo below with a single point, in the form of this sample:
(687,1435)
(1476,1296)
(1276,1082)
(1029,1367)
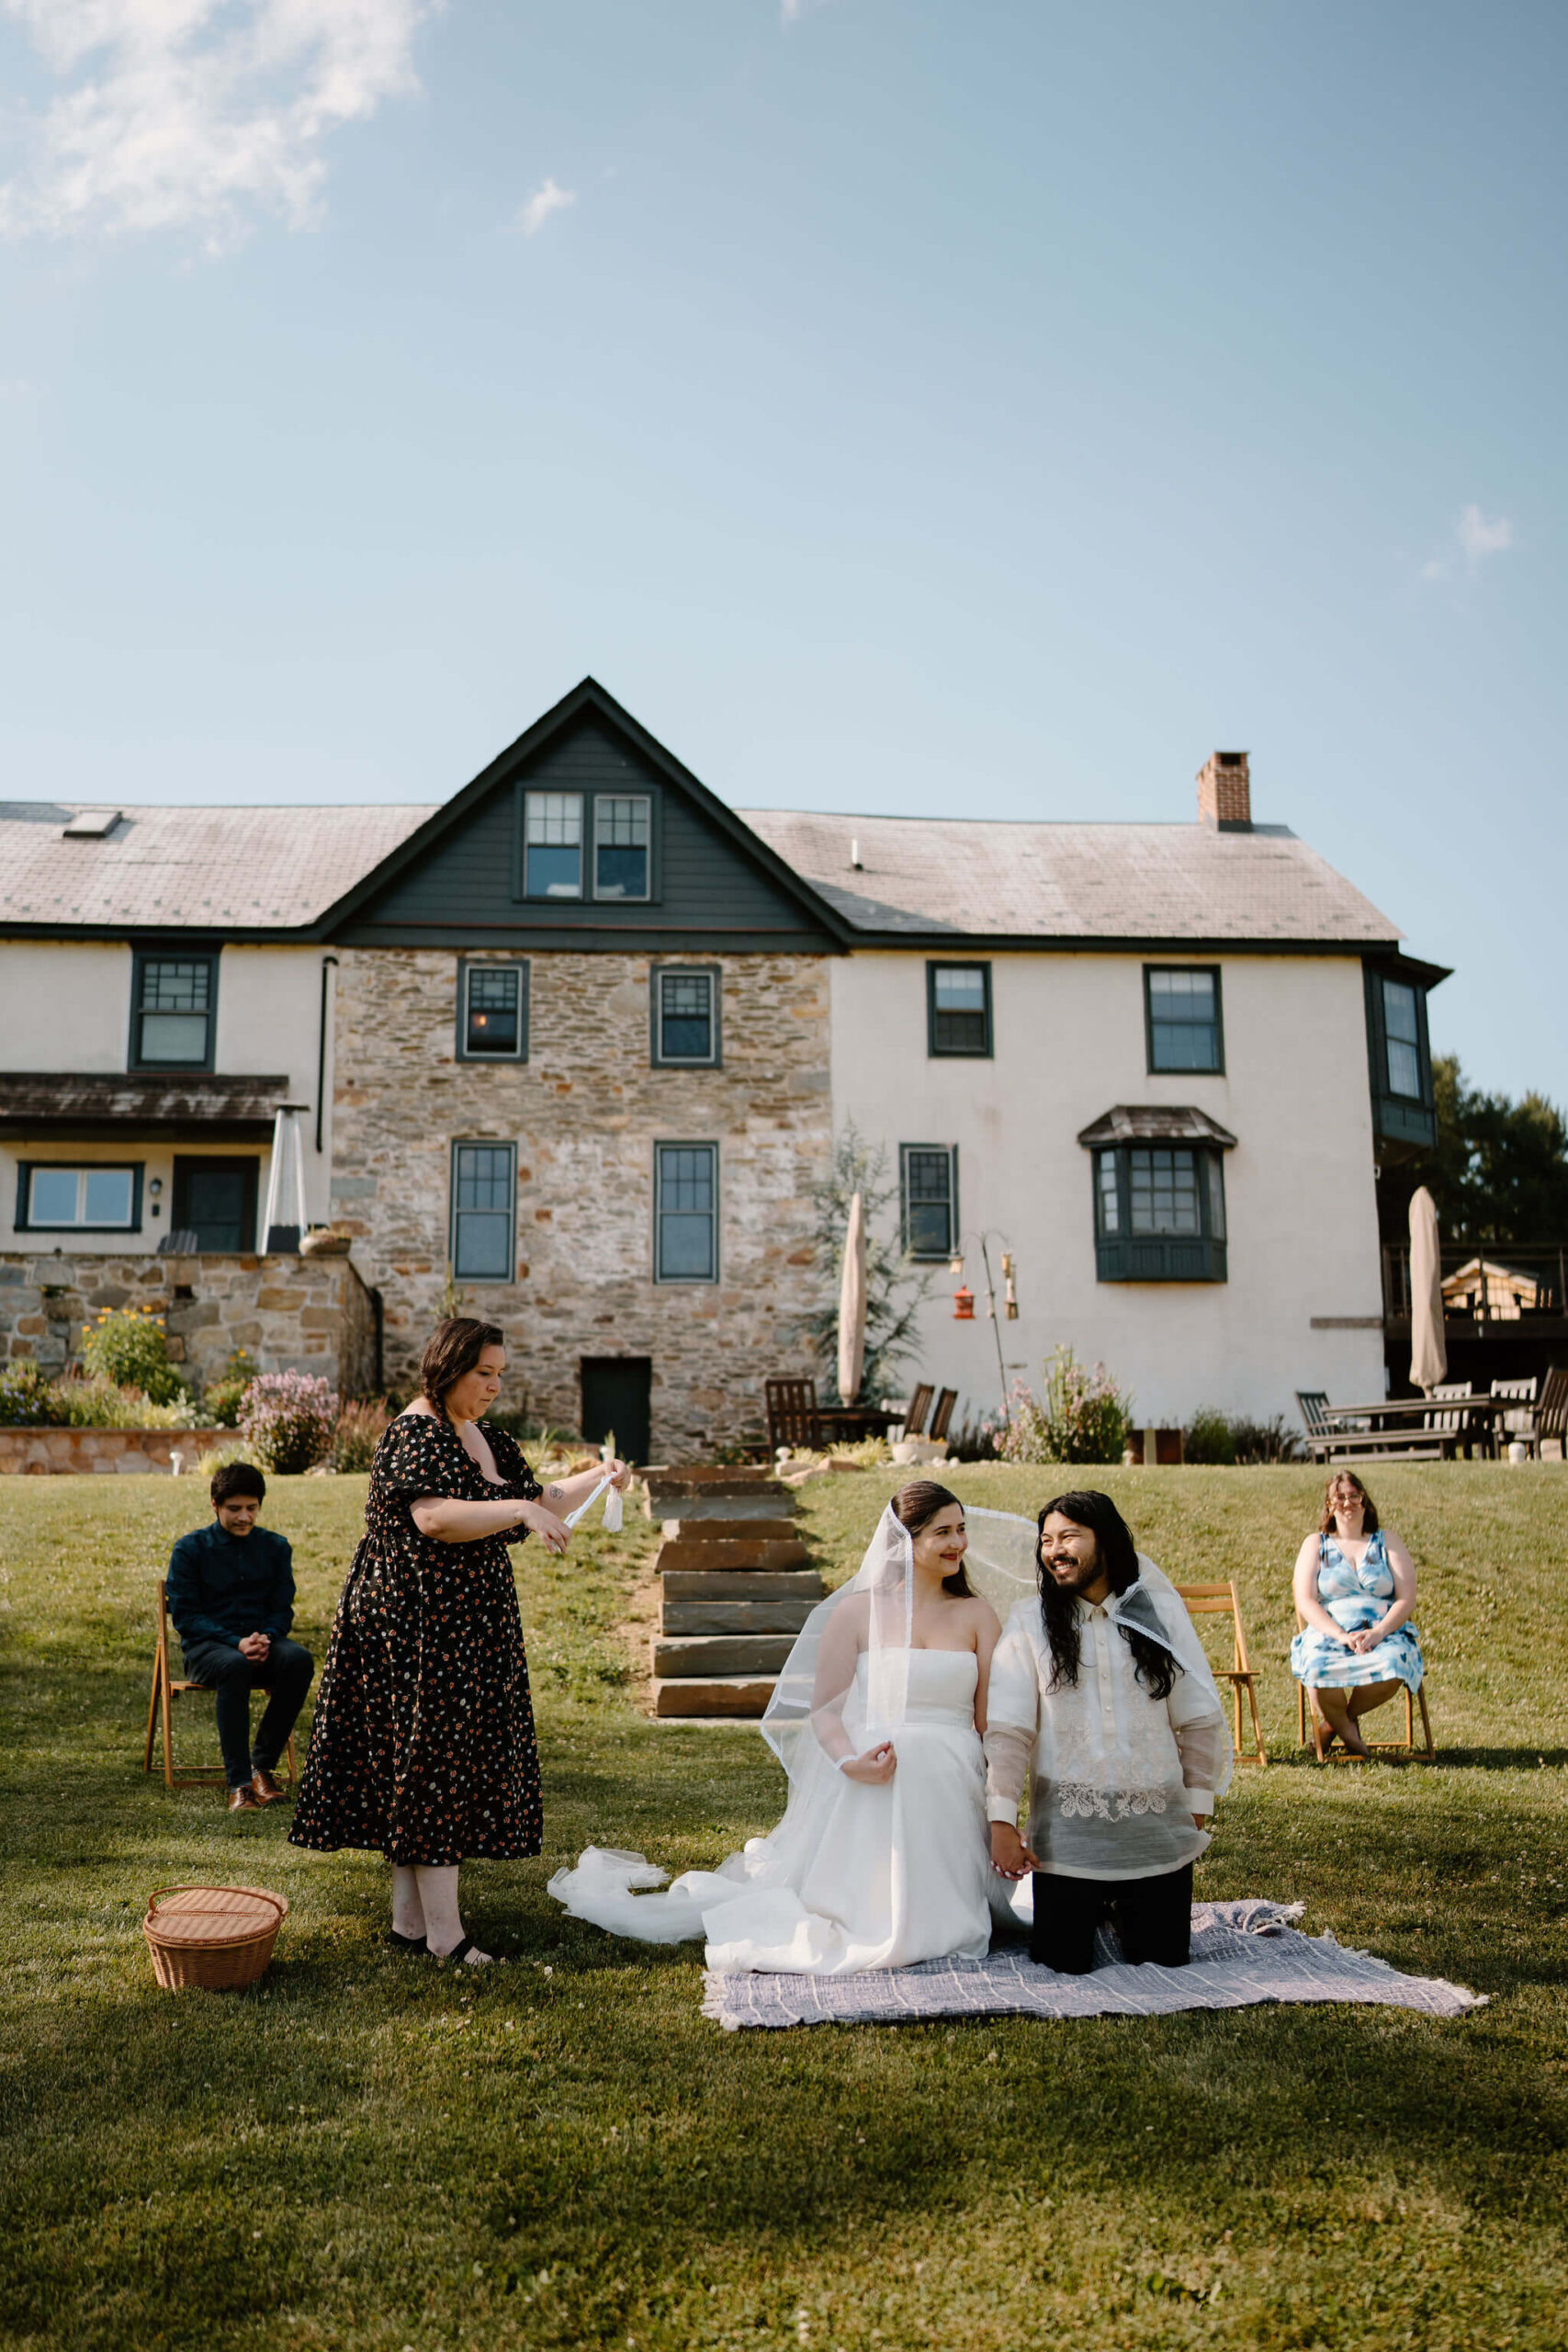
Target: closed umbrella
(851,1305)
(1428,1356)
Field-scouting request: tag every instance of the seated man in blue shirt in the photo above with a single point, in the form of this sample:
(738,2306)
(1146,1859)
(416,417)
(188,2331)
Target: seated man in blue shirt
(230,1593)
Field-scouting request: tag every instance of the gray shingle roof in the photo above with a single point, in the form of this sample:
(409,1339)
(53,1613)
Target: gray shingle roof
(231,869)
(930,874)
(69,1103)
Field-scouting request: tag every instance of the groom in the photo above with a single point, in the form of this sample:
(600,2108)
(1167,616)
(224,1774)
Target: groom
(1124,1747)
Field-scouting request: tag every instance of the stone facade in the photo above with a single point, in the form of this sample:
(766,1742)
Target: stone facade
(585,1112)
(66,1452)
(290,1313)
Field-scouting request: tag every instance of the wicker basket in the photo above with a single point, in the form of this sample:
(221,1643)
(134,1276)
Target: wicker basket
(217,1939)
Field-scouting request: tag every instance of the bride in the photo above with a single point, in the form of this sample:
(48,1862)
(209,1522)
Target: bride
(883,1856)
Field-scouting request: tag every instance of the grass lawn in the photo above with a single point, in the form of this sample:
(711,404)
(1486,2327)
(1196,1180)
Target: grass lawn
(367,2152)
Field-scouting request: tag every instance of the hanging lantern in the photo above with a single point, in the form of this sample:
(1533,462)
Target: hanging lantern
(963,1305)
(1012,1301)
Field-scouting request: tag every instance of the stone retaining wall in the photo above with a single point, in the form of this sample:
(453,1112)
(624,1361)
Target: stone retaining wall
(290,1313)
(59,1453)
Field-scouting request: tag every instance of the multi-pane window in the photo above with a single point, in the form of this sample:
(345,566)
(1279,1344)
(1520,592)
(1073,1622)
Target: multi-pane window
(552,845)
(929,1184)
(685,1212)
(1182,1002)
(686,1018)
(484,1202)
(1159,1213)
(88,1199)
(958,1009)
(172,1008)
(492,1009)
(1403,1038)
(621,831)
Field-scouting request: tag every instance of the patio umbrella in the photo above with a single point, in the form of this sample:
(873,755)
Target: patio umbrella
(1428,1356)
(851,1305)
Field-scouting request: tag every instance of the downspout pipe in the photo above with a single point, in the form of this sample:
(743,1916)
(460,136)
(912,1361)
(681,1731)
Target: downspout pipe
(321,1054)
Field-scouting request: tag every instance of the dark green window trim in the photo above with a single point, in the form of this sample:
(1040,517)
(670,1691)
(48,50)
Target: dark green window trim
(466,965)
(26,1168)
(477,1250)
(176,953)
(1123,1255)
(939,1049)
(685,1197)
(909,1152)
(1217,1068)
(588,798)
(1399,1118)
(713,975)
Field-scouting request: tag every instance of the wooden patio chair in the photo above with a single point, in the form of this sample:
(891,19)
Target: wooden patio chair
(942,1415)
(792,1416)
(1310,1728)
(1221,1600)
(1312,1406)
(1521,1424)
(160,1705)
(920,1406)
(1549,1419)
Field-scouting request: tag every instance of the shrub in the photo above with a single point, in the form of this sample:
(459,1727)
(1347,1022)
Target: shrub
(289,1417)
(128,1345)
(1208,1437)
(223,1399)
(1082,1417)
(360,1427)
(218,1457)
(27,1401)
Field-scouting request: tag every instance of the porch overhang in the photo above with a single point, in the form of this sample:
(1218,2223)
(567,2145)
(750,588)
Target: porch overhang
(117,1108)
(1156,1123)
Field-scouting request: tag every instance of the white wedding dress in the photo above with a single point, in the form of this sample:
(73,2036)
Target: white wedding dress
(853,1877)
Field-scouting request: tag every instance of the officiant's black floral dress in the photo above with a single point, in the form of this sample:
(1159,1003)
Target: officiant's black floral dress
(424,1737)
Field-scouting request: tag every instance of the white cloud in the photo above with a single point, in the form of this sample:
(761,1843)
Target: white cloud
(541,204)
(198,114)
(1480,534)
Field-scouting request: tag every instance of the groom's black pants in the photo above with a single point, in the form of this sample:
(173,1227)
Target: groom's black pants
(1153,1918)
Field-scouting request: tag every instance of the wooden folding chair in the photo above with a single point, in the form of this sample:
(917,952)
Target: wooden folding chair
(161,1706)
(1221,1600)
(919,1406)
(792,1415)
(1312,1730)
(942,1415)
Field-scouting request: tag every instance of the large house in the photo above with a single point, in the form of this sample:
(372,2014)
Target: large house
(576,1042)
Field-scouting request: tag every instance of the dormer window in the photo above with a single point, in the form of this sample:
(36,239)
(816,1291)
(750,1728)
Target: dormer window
(552,845)
(621,842)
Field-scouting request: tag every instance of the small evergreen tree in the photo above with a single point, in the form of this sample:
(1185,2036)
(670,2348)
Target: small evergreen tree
(895,1286)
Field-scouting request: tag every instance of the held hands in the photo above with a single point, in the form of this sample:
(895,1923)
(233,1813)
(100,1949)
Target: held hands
(552,1534)
(1367,1639)
(256,1646)
(874,1769)
(1011,1858)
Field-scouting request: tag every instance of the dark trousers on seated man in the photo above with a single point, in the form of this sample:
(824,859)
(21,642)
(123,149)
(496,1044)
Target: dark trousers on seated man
(285,1674)
(1153,1918)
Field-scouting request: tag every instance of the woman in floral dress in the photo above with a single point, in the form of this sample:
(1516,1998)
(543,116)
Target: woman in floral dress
(1355,1588)
(423,1736)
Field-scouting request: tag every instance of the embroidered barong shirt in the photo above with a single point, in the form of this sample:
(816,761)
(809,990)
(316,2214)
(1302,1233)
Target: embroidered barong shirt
(1115,1776)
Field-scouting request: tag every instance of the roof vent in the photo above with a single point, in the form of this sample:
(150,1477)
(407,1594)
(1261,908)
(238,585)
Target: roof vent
(855,858)
(90,824)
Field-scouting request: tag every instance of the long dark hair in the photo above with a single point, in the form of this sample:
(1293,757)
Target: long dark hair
(916,1506)
(1117,1554)
(1328,1515)
(452,1349)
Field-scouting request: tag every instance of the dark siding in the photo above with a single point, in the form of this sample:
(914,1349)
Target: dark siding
(709,891)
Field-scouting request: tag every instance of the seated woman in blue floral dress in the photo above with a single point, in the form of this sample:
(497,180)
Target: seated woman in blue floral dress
(1355,1589)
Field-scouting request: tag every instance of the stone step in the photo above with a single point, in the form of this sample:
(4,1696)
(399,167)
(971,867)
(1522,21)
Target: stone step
(681,1654)
(743,1584)
(728,1531)
(763,1552)
(707,1474)
(737,1696)
(731,1502)
(734,1616)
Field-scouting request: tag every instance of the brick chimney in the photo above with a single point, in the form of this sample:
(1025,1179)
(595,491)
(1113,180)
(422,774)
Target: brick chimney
(1225,792)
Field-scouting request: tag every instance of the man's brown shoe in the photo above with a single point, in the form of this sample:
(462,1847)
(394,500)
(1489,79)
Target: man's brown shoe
(243,1799)
(266,1788)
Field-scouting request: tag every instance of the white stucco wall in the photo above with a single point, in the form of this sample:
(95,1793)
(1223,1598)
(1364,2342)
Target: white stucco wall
(1069,1044)
(65,1006)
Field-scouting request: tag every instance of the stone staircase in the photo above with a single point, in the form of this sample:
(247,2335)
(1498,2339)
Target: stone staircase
(737,1589)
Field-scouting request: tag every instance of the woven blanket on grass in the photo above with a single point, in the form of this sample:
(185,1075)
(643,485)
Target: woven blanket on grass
(1242,1954)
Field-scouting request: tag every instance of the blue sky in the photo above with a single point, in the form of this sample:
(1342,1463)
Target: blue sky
(942,406)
